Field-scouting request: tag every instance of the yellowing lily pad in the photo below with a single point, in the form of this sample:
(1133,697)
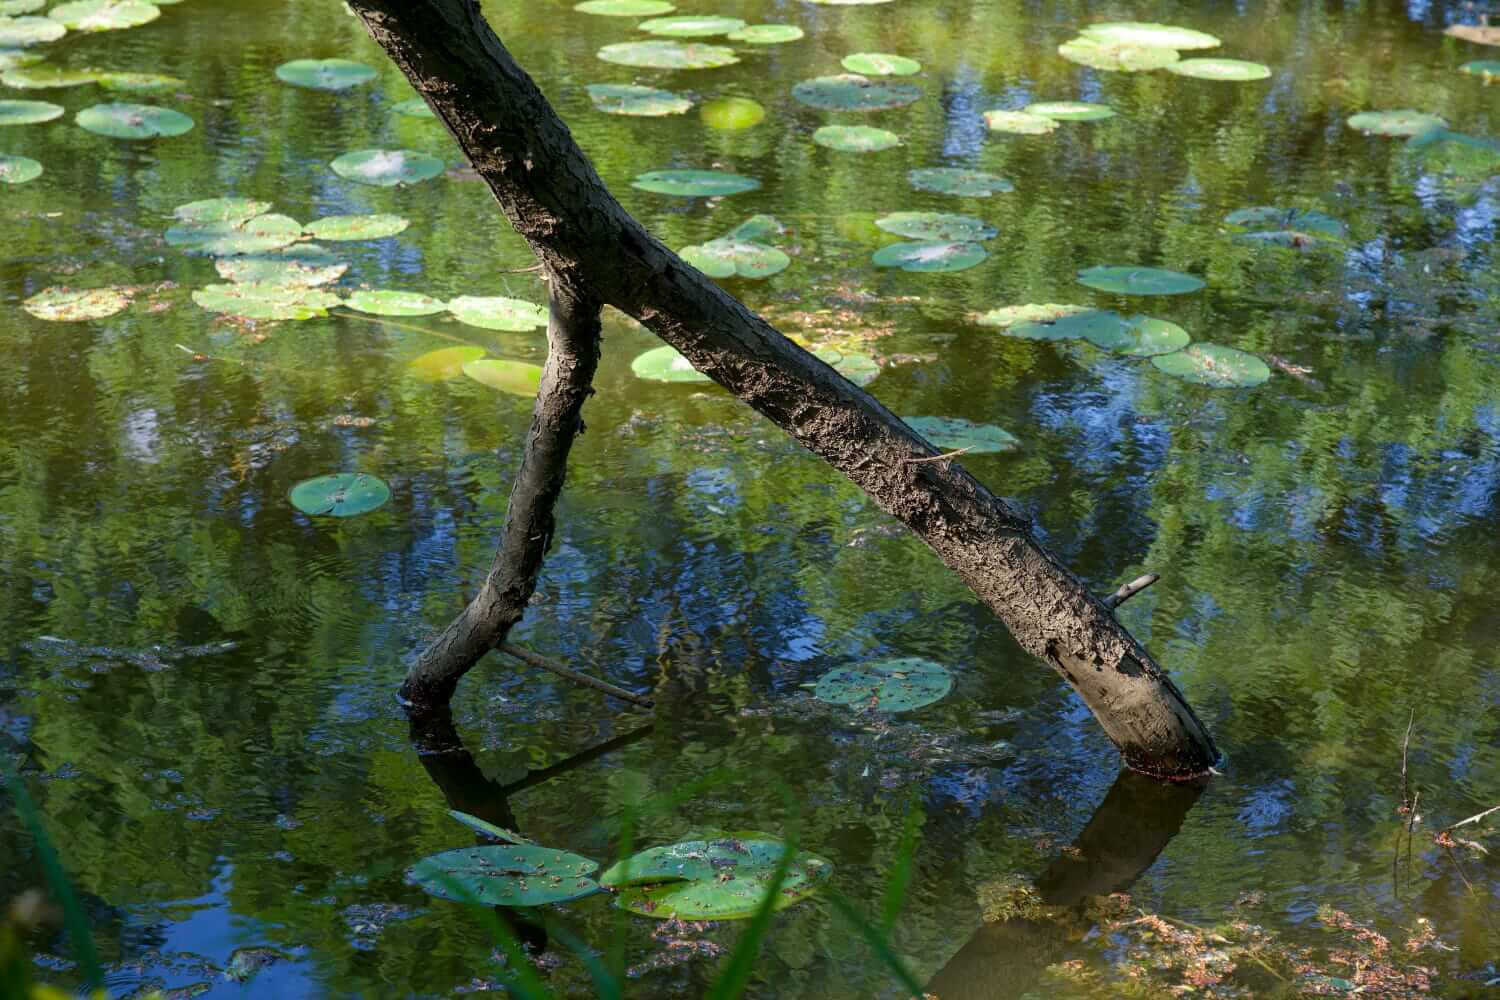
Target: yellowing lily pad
(1139,280)
(640,102)
(71,305)
(387,167)
(1165,36)
(515,377)
(956,433)
(497,312)
(1071,111)
(1018,122)
(1228,70)
(325,74)
(1402,123)
(694,183)
(880,64)
(382,302)
(852,92)
(625,8)
(19,32)
(139,81)
(1116,57)
(668,55)
(343,494)
(1009,316)
(104,15)
(356,227)
(259,301)
(895,685)
(133,121)
(1214,366)
(305,264)
(46,77)
(691,26)
(730,113)
(231,210)
(664,364)
(766,34)
(443,363)
(855,138)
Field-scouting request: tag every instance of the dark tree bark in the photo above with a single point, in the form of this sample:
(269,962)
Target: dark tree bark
(588,243)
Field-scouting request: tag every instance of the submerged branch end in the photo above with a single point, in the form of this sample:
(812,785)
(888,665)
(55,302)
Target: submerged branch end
(1130,589)
(537,660)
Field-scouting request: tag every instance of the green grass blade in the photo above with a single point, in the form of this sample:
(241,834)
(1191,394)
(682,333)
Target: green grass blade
(607,986)
(899,877)
(875,940)
(520,977)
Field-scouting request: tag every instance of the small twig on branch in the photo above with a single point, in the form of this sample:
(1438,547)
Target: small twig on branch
(1130,589)
(1472,819)
(536,660)
(939,458)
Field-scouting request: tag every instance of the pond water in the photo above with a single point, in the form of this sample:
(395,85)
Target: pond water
(1326,539)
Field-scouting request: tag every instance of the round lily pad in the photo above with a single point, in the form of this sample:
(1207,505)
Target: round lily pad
(852,92)
(1094,325)
(956,433)
(28,112)
(356,227)
(133,121)
(1165,36)
(15,8)
(691,26)
(1403,123)
(325,74)
(880,64)
(1485,68)
(46,77)
(230,239)
(857,367)
(668,55)
(641,102)
(1139,280)
(1010,316)
(931,255)
(387,167)
(625,8)
(694,183)
(382,302)
(938,226)
(515,377)
(19,32)
(894,685)
(104,15)
(730,113)
(506,875)
(1212,365)
(1139,337)
(766,34)
(727,258)
(497,312)
(342,494)
(664,364)
(413,107)
(18,169)
(724,879)
(1071,111)
(68,305)
(1229,70)
(1018,122)
(232,210)
(855,138)
(139,81)
(958,181)
(443,363)
(305,264)
(1116,57)
(260,301)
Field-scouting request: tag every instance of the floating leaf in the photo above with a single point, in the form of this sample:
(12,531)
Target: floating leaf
(852,92)
(957,181)
(506,875)
(11,58)
(664,364)
(694,183)
(642,102)
(28,112)
(1115,57)
(356,227)
(104,15)
(443,363)
(231,210)
(691,26)
(625,8)
(955,434)
(69,305)
(1018,122)
(880,64)
(515,377)
(766,34)
(1124,280)
(894,685)
(1071,111)
(259,301)
(413,107)
(855,138)
(229,239)
(498,313)
(305,264)
(1229,70)
(930,255)
(1138,336)
(325,74)
(726,879)
(1212,365)
(1164,36)
(382,302)
(15,8)
(46,77)
(731,113)
(1009,316)
(1096,325)
(387,167)
(486,827)
(861,369)
(133,121)
(939,226)
(727,258)
(1403,123)
(18,169)
(135,82)
(668,55)
(342,494)
(757,227)
(1485,68)
(19,32)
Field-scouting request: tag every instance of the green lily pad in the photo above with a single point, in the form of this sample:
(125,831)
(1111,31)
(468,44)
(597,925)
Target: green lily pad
(515,377)
(413,107)
(231,210)
(727,258)
(1009,316)
(443,363)
(325,74)
(18,169)
(1228,70)
(938,226)
(28,112)
(15,8)
(1094,325)
(104,15)
(1071,111)
(931,255)
(852,92)
(1115,57)
(382,302)
(1402,123)
(46,77)
(305,264)
(625,8)
(956,433)
(1163,36)
(958,181)
(767,34)
(757,227)
(1292,227)
(486,827)
(857,367)
(342,494)
(19,32)
(140,82)
(257,301)
(1123,280)
(387,167)
(894,685)
(1139,337)
(230,239)
(730,113)
(640,102)
(725,879)
(855,138)
(71,305)
(668,55)
(133,121)
(1212,365)
(664,364)
(356,227)
(1018,122)
(694,183)
(691,26)
(497,312)
(1485,68)
(880,64)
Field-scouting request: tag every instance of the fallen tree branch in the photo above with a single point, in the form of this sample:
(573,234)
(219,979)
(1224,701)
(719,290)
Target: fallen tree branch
(538,660)
(1129,590)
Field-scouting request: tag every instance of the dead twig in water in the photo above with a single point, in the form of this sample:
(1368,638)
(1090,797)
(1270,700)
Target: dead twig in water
(537,660)
(940,458)
(1129,590)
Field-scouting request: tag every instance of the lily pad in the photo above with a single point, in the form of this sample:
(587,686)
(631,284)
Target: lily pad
(857,367)
(15,8)
(1212,365)
(1229,70)
(895,685)
(625,8)
(880,64)
(1402,123)
(767,34)
(640,102)
(1484,68)
(342,494)
(1094,325)
(1139,337)
(104,15)
(694,183)
(356,227)
(260,301)
(668,55)
(757,227)
(691,26)
(956,433)
(19,32)
(71,305)
(1009,316)
(133,121)
(1018,122)
(231,210)
(325,74)
(140,82)
(230,239)
(727,258)
(730,113)
(46,77)
(497,312)
(11,58)
(852,92)
(487,828)
(1139,280)
(931,255)
(305,264)
(28,112)
(382,302)
(413,107)
(1071,111)
(1164,36)
(387,167)
(664,364)
(958,181)
(18,169)
(725,879)
(443,363)
(855,138)
(515,377)
(939,226)
(1116,57)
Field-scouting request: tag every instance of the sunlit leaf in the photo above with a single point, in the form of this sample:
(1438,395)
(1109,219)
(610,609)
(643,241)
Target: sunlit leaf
(625,8)
(384,302)
(305,264)
(664,364)
(725,879)
(515,377)
(139,82)
(46,77)
(260,301)
(228,239)
(104,15)
(931,255)
(356,227)
(1116,57)
(855,138)
(70,305)
(325,74)
(1228,70)
(1010,316)
(19,32)
(387,167)
(231,210)
(668,55)
(1165,36)
(133,121)
(766,34)
(1018,122)
(1402,123)
(497,312)
(1095,325)
(1071,111)
(413,107)
(880,64)
(443,363)
(691,26)
(731,113)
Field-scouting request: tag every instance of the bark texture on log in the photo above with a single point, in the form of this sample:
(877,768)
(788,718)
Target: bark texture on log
(554,198)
